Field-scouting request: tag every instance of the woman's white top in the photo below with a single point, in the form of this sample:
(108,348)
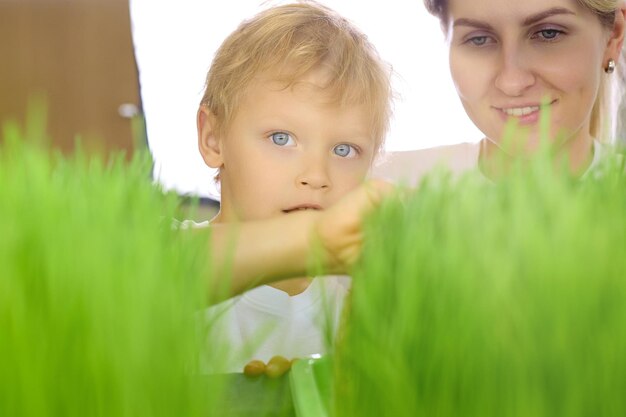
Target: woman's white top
(408,167)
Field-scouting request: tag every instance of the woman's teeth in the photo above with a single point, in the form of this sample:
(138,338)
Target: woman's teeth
(520,111)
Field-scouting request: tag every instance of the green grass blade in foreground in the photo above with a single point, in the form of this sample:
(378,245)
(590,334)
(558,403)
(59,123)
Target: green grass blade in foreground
(97,290)
(492,299)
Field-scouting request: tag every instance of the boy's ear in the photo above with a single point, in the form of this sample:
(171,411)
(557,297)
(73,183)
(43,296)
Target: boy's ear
(209,143)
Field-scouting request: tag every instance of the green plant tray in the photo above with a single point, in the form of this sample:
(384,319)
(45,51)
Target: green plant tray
(243,396)
(311,381)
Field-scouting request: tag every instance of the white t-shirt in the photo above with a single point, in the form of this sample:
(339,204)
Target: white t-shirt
(408,167)
(265,322)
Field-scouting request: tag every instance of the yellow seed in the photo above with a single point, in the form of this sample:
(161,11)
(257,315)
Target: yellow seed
(277,366)
(254,368)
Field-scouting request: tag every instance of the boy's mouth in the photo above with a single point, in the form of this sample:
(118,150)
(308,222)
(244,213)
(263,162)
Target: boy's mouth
(302,207)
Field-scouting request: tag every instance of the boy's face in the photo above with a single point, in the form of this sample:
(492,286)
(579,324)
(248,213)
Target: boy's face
(288,149)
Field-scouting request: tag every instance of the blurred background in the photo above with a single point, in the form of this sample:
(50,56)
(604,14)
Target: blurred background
(78,56)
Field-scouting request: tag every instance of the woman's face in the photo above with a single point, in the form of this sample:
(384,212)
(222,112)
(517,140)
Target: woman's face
(509,56)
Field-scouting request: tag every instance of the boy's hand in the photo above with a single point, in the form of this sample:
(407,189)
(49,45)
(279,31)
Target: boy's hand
(283,247)
(339,230)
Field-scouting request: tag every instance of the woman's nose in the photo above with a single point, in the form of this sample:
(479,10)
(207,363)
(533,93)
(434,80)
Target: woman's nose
(514,74)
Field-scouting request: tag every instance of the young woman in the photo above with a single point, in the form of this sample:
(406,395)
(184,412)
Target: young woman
(509,60)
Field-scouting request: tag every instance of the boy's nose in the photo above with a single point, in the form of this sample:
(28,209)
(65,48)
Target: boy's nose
(314,175)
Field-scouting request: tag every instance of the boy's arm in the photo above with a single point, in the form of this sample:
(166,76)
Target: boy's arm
(250,254)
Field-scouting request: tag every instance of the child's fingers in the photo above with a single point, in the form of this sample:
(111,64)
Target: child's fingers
(359,203)
(371,194)
(339,229)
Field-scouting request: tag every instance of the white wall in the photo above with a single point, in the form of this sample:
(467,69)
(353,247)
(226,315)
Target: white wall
(175,42)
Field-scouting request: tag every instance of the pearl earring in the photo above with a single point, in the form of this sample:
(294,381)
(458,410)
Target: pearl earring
(610,66)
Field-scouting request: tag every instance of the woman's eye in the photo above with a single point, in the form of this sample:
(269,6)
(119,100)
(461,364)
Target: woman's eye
(548,34)
(282,139)
(345,151)
(479,40)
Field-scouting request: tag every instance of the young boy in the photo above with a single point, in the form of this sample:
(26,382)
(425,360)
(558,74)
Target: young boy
(295,110)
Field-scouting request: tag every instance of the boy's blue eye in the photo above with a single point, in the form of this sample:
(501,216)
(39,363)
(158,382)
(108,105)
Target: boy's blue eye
(344,150)
(281,138)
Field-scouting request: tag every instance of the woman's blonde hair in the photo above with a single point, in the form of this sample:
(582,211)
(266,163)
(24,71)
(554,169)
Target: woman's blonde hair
(287,42)
(605,124)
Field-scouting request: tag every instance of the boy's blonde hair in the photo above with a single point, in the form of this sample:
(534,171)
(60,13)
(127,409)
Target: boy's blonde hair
(605,124)
(285,43)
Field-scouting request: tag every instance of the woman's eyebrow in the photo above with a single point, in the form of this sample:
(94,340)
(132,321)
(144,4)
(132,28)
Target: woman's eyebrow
(472,23)
(530,20)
